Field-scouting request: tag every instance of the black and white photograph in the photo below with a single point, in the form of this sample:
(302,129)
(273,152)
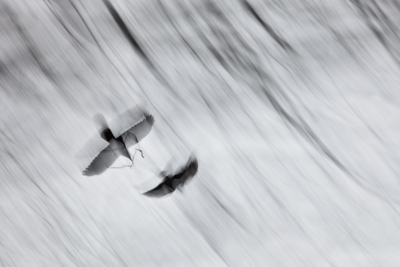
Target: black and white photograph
(199,133)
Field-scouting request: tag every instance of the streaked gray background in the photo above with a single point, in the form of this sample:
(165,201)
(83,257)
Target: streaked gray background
(293,113)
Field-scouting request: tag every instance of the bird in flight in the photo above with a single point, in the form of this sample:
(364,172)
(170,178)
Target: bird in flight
(173,181)
(114,139)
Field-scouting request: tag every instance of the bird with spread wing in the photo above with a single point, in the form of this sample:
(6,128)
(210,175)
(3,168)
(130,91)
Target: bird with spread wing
(114,139)
(172,181)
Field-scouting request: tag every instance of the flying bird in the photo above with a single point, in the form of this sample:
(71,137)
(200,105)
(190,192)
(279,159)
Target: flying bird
(174,181)
(114,139)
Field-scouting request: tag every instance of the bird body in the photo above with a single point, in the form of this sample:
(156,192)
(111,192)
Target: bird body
(171,182)
(114,139)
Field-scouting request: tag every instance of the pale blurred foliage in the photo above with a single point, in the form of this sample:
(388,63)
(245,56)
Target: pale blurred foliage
(290,106)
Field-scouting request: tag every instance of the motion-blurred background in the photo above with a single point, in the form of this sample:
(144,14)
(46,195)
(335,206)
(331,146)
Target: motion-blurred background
(292,108)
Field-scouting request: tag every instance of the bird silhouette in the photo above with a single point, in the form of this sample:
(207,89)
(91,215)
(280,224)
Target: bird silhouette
(115,138)
(177,180)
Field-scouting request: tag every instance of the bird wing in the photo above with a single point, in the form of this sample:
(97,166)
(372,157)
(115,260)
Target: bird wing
(185,174)
(105,158)
(170,184)
(127,119)
(92,147)
(160,191)
(136,133)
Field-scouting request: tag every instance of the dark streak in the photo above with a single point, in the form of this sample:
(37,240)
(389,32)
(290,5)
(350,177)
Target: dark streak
(268,28)
(63,24)
(225,209)
(163,8)
(29,45)
(128,34)
(378,34)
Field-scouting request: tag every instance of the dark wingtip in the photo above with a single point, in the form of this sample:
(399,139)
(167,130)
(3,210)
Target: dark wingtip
(150,119)
(193,166)
(87,173)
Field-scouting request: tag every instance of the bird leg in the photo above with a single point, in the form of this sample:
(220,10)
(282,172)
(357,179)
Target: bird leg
(133,157)
(141,151)
(130,156)
(137,142)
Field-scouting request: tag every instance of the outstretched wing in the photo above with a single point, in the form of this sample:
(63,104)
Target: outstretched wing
(185,174)
(160,191)
(135,134)
(92,147)
(89,151)
(132,125)
(170,184)
(105,159)
(127,119)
